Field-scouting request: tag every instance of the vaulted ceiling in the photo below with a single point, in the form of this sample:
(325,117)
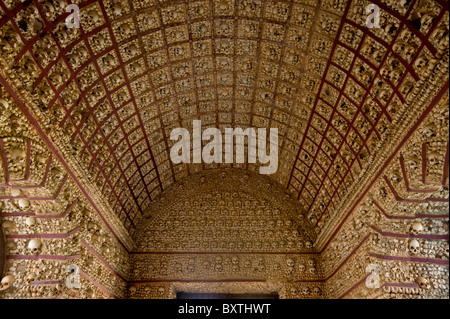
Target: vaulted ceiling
(112,90)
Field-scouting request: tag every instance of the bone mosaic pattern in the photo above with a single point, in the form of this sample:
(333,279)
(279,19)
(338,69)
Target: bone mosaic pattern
(362,115)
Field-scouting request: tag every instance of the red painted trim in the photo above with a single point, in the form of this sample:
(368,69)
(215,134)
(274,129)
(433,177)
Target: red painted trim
(47,236)
(47,141)
(432,104)
(412,259)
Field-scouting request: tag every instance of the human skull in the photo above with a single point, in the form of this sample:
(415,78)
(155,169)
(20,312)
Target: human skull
(416,228)
(308,244)
(301,267)
(395,176)
(219,267)
(30,221)
(7,282)
(414,246)
(235,260)
(23,203)
(34,245)
(305,290)
(290,262)
(310,262)
(191,268)
(248,263)
(17,154)
(423,283)
(7,225)
(413,162)
(294,291)
(290,271)
(430,130)
(434,158)
(316,290)
(235,268)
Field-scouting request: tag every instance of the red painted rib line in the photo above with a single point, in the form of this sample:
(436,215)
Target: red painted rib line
(389,160)
(27,174)
(44,180)
(412,259)
(41,216)
(445,173)
(68,210)
(424,162)
(195,281)
(100,286)
(405,200)
(398,198)
(424,236)
(45,283)
(411,28)
(47,257)
(391,216)
(405,178)
(42,134)
(101,259)
(401,284)
(308,125)
(220,252)
(354,287)
(407,217)
(5,161)
(39,198)
(45,235)
(348,257)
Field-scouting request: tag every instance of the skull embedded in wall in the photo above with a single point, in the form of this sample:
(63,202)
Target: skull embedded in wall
(290,262)
(396,176)
(301,267)
(316,290)
(30,221)
(434,158)
(34,246)
(132,289)
(413,162)
(430,130)
(7,282)
(7,225)
(423,283)
(290,271)
(191,268)
(219,267)
(414,246)
(305,290)
(416,228)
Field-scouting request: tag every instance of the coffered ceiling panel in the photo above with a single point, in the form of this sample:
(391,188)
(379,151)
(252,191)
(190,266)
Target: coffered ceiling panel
(114,88)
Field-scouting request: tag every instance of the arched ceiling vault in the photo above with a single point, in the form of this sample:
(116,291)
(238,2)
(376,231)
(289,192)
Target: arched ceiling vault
(113,89)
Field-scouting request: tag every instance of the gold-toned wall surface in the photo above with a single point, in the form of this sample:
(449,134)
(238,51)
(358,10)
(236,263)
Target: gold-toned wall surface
(225,230)
(362,111)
